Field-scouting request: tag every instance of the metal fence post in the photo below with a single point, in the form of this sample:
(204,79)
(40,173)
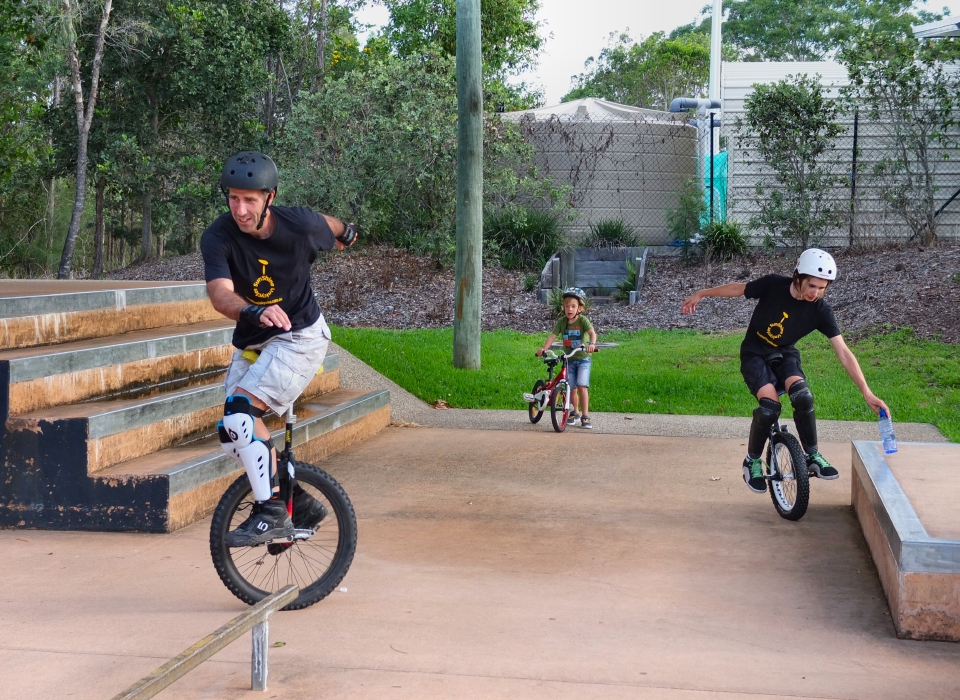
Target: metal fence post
(853,173)
(258,660)
(712,155)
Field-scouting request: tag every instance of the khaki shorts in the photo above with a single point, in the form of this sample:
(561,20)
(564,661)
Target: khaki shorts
(286,365)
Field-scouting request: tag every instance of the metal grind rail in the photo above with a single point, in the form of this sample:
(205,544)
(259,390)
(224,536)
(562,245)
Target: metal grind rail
(256,618)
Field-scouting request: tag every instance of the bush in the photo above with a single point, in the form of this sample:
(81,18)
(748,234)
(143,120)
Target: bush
(521,238)
(611,233)
(683,223)
(723,240)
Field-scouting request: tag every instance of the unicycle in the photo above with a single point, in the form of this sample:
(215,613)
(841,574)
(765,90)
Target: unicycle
(315,558)
(787,473)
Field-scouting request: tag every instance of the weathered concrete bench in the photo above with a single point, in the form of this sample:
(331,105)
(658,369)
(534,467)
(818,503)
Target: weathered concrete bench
(597,271)
(907,506)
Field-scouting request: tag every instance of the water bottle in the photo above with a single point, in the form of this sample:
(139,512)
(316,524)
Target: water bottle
(886,433)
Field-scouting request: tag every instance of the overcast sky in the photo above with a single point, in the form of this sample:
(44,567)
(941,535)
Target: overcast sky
(580,29)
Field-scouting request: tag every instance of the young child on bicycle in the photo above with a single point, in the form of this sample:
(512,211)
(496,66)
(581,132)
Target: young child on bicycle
(572,327)
(788,309)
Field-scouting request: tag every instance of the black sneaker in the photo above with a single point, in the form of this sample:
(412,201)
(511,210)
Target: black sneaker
(821,467)
(753,475)
(269,521)
(307,510)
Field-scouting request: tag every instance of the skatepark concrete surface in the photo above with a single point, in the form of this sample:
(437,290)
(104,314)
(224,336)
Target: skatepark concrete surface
(498,564)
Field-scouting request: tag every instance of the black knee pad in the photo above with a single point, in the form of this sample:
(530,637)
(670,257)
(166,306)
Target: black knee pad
(767,412)
(764,416)
(800,396)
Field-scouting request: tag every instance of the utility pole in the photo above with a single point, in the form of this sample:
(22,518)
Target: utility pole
(466,320)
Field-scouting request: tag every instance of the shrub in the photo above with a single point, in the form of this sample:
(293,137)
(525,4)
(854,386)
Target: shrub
(522,238)
(723,240)
(629,283)
(611,233)
(683,223)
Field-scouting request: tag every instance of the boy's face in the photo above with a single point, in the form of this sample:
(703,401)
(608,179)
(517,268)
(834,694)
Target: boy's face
(571,308)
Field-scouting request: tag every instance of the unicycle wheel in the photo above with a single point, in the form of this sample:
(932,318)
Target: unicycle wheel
(790,491)
(316,563)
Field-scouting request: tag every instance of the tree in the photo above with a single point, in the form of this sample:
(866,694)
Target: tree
(793,125)
(646,74)
(810,30)
(509,30)
(84,113)
(913,95)
(379,146)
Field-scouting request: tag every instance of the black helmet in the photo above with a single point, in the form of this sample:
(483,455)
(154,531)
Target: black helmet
(249,170)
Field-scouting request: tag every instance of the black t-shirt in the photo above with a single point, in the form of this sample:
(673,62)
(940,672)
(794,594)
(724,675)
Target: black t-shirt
(267,271)
(780,320)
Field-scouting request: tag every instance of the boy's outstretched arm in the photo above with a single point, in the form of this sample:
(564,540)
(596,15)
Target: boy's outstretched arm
(546,345)
(733,289)
(849,362)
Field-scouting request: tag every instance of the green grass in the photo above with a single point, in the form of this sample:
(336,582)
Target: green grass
(681,372)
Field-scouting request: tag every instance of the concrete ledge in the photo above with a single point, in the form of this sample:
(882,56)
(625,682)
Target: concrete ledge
(29,319)
(920,574)
(169,489)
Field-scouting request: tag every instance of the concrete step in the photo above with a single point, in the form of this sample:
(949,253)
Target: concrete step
(37,378)
(99,434)
(44,312)
(168,489)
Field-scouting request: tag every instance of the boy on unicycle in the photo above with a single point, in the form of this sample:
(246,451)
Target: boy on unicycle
(573,327)
(788,309)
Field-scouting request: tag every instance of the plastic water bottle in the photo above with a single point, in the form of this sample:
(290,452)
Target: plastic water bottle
(886,433)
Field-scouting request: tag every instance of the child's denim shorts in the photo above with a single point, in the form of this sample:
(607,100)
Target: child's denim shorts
(578,373)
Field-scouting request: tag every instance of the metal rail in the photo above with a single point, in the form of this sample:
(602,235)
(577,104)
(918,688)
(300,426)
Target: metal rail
(255,618)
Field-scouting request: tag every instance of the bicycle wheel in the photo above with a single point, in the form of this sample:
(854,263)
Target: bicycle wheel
(790,492)
(315,564)
(558,407)
(533,408)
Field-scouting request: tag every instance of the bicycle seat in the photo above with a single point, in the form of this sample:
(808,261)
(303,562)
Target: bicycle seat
(773,360)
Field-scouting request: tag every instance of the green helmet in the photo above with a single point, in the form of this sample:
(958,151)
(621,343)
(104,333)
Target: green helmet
(576,293)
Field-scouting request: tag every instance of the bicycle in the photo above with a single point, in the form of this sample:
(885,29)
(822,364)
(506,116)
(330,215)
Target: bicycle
(786,467)
(555,392)
(315,558)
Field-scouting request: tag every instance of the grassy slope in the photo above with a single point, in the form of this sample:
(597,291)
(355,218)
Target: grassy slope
(683,372)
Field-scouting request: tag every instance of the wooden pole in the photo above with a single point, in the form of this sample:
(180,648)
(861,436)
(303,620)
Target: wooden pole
(466,321)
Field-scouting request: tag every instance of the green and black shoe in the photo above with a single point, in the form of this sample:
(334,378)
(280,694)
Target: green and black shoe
(753,475)
(821,467)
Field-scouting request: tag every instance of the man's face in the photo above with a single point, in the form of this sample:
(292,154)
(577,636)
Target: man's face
(246,206)
(813,288)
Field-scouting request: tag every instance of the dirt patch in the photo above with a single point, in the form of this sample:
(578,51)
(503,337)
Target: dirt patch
(384,287)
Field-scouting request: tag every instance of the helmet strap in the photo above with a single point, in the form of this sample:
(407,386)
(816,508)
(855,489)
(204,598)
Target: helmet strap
(266,205)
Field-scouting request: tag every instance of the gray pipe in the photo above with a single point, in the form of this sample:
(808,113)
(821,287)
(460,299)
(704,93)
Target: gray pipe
(682,104)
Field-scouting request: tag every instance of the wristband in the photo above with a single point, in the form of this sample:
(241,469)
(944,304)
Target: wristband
(349,234)
(251,314)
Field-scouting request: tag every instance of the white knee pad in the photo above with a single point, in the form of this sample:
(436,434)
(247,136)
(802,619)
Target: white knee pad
(236,432)
(255,458)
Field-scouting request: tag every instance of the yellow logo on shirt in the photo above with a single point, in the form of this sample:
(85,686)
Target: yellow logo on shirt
(264,281)
(774,331)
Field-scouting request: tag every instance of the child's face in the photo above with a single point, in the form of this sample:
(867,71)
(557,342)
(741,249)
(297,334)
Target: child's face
(571,307)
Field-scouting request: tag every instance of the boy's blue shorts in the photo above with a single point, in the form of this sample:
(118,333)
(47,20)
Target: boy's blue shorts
(578,373)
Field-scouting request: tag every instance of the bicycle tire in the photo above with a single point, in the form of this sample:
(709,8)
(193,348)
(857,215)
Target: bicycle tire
(558,407)
(317,564)
(533,408)
(791,493)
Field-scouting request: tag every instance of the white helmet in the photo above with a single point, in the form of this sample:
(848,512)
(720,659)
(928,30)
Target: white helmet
(817,263)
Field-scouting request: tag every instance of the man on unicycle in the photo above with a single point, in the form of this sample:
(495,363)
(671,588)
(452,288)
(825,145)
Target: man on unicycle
(257,260)
(788,309)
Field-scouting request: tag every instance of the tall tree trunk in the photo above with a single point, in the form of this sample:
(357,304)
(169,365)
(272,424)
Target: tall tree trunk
(84,121)
(98,230)
(52,192)
(321,44)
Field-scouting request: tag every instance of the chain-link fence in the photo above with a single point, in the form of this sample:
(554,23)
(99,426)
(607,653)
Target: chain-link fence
(619,162)
(876,200)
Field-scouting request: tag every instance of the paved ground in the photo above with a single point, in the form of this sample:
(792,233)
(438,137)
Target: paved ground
(499,564)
